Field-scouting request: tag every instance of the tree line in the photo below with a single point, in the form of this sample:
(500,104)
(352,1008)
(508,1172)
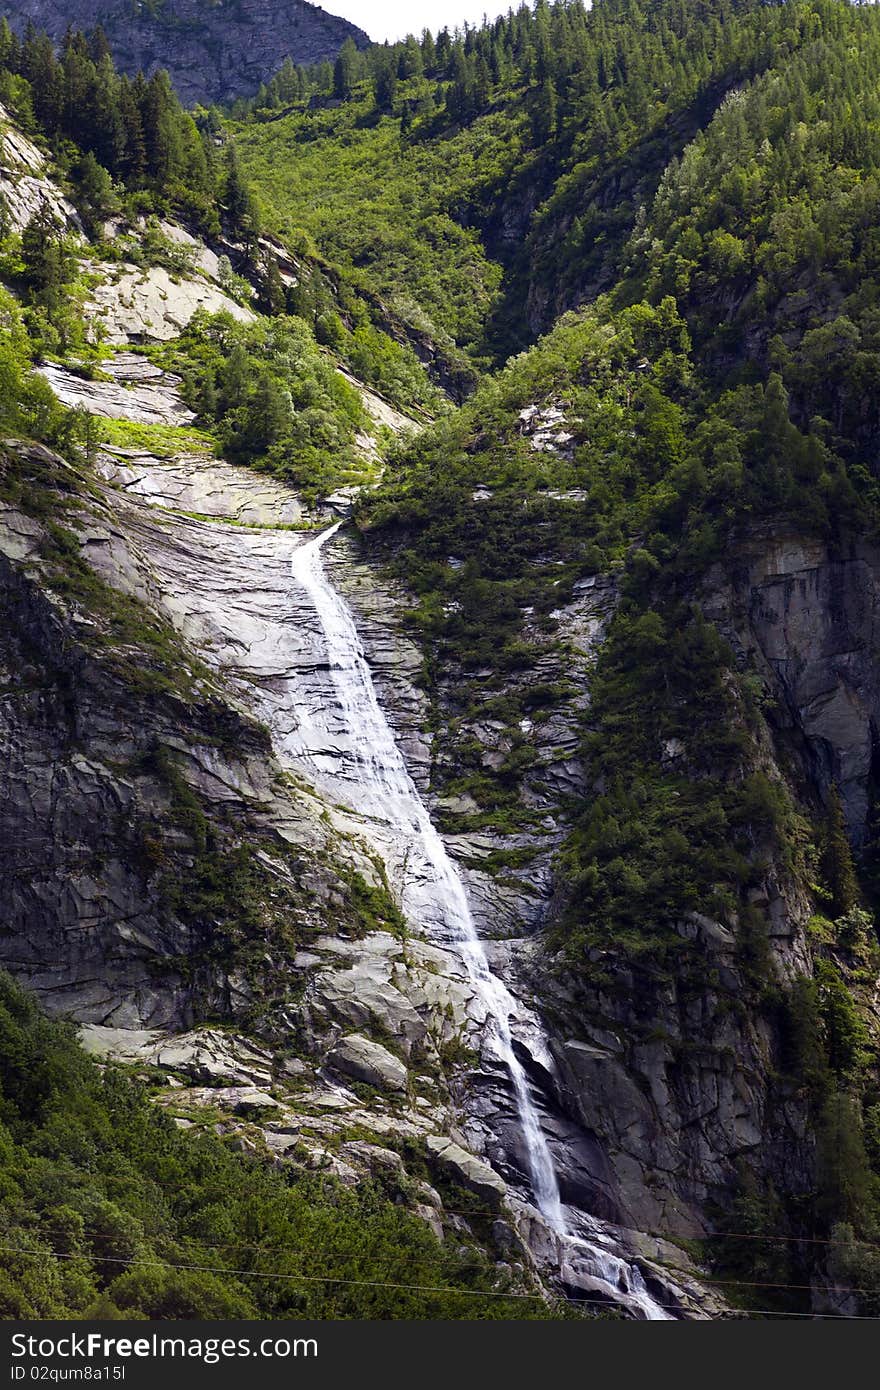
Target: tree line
(107,127)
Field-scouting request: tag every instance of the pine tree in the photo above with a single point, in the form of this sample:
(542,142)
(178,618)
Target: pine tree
(8,46)
(344,71)
(837,860)
(99,45)
(544,113)
(46,260)
(133,160)
(844,1176)
(95,196)
(241,210)
(429,51)
(385,88)
(272,292)
(234,378)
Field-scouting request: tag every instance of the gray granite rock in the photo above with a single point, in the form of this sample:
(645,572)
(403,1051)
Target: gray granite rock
(25,185)
(148,400)
(364,1060)
(131,303)
(466,1168)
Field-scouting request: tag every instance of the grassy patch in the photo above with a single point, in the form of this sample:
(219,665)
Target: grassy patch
(163,441)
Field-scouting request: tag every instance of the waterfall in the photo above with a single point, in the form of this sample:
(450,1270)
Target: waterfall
(301,668)
(384,791)
(388,793)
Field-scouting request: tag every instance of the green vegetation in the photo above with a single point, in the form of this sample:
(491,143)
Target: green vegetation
(681,810)
(433,273)
(724,380)
(702,184)
(830,1058)
(127,151)
(163,441)
(558,121)
(272,399)
(40,264)
(109,1211)
(765,224)
(28,406)
(132,131)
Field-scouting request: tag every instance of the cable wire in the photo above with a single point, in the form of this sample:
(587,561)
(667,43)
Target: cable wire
(418,1288)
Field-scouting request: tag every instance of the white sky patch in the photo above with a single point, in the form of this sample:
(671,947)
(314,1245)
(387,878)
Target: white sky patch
(394,19)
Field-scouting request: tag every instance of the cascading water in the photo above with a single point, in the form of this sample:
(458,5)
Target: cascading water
(389,793)
(384,791)
(301,668)
(228,590)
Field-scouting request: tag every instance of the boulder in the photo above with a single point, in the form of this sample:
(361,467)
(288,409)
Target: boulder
(364,993)
(467,1169)
(364,1060)
(374,1157)
(243,1100)
(214,1058)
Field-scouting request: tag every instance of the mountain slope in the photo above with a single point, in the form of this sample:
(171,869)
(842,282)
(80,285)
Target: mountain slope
(230,927)
(490,182)
(619,609)
(689,464)
(214,51)
(156,855)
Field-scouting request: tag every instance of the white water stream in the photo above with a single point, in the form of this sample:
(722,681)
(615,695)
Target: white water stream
(389,794)
(231,597)
(386,793)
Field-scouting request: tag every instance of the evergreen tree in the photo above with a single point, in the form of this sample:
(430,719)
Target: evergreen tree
(96,198)
(272,292)
(241,210)
(845,1178)
(385,87)
(837,859)
(544,113)
(344,70)
(46,260)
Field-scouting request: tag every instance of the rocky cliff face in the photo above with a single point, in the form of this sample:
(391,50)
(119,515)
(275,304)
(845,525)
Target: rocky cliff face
(669,1074)
(652,1086)
(25,184)
(214,50)
(170,866)
(804,614)
(140,783)
(127,772)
